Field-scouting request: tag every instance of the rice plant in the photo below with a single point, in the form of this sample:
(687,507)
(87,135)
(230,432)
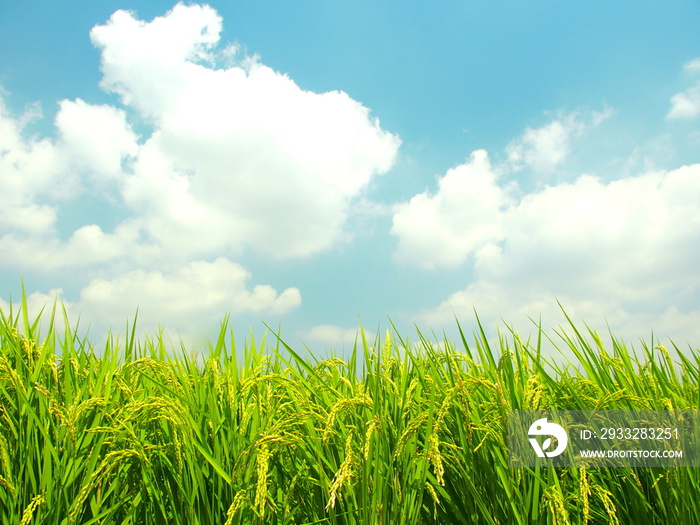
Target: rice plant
(399,432)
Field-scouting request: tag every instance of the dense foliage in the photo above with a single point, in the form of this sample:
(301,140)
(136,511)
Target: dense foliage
(398,433)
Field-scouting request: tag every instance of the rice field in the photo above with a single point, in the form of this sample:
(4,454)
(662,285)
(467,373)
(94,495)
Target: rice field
(399,432)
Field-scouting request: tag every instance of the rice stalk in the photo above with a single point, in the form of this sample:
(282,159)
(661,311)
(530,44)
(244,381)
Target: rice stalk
(398,432)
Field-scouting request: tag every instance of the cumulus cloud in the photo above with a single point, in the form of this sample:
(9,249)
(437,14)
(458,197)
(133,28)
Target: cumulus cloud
(239,156)
(686,105)
(149,64)
(232,158)
(86,247)
(196,289)
(614,247)
(546,148)
(31,169)
(187,300)
(235,158)
(39,176)
(97,139)
(37,303)
(40,306)
(184,299)
(443,229)
(633,237)
(331,335)
(226,159)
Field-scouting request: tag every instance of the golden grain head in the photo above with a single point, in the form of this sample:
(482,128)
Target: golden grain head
(372,425)
(606,497)
(235,506)
(556,505)
(433,452)
(411,429)
(345,473)
(584,494)
(28,513)
(262,464)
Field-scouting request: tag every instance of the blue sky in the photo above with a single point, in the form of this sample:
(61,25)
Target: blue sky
(311,163)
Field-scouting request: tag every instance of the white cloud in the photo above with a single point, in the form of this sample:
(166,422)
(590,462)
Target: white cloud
(40,306)
(331,335)
(236,153)
(231,158)
(546,148)
(686,105)
(86,247)
(96,138)
(186,300)
(183,297)
(37,302)
(31,169)
(148,63)
(442,230)
(39,176)
(628,249)
(543,149)
(237,158)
